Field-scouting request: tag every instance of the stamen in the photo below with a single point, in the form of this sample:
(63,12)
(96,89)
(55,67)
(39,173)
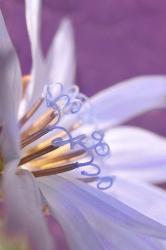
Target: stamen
(105,182)
(37,154)
(33,137)
(54,159)
(62,152)
(38,128)
(57,170)
(44,144)
(91,146)
(86,173)
(79,154)
(31,112)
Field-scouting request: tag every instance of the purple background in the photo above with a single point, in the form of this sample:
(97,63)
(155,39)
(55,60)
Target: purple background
(115,40)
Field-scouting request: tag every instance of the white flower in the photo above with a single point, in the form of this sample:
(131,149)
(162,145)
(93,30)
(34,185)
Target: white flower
(90,218)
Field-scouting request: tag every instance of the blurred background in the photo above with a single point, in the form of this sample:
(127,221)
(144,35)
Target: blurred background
(115,40)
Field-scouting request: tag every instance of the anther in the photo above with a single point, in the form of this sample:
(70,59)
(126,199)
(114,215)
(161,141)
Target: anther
(33,137)
(38,129)
(57,170)
(31,112)
(37,154)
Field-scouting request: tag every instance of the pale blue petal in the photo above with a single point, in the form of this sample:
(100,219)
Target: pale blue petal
(97,206)
(10,94)
(33,19)
(23,207)
(117,104)
(61,56)
(77,231)
(137,154)
(147,199)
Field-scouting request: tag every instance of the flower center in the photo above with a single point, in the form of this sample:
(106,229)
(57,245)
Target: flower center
(52,144)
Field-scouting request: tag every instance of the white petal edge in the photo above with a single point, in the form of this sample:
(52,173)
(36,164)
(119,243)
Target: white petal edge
(117,104)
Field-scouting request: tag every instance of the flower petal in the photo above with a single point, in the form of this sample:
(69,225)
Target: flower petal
(96,206)
(60,61)
(35,87)
(10,94)
(128,99)
(117,238)
(73,223)
(137,154)
(23,207)
(33,10)
(147,199)
(61,56)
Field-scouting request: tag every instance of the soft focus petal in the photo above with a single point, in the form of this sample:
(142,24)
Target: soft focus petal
(137,154)
(60,61)
(10,93)
(147,199)
(23,207)
(61,56)
(96,206)
(68,215)
(33,9)
(117,238)
(128,99)
(11,66)
(35,87)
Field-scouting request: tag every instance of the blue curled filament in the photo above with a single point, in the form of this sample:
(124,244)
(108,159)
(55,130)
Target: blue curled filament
(72,103)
